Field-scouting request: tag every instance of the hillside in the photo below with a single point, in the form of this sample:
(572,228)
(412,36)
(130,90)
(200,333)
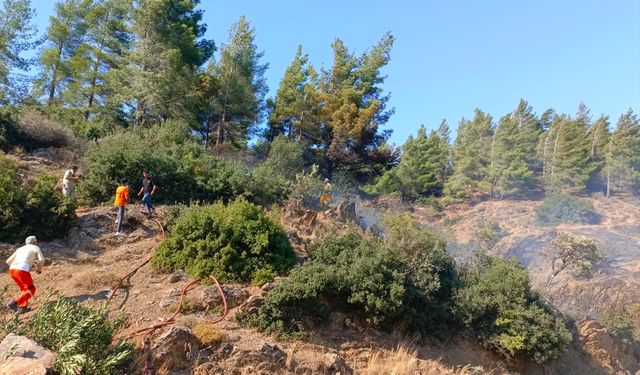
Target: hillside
(87,264)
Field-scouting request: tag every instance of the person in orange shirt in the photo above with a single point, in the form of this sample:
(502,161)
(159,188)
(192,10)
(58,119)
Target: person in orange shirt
(122,195)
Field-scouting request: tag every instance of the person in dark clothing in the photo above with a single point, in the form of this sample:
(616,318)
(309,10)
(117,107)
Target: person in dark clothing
(147,190)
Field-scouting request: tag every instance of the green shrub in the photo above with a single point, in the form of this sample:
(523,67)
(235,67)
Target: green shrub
(284,159)
(487,233)
(232,242)
(305,190)
(496,301)
(82,337)
(8,128)
(181,168)
(403,278)
(47,211)
(12,201)
(35,209)
(624,322)
(566,209)
(578,253)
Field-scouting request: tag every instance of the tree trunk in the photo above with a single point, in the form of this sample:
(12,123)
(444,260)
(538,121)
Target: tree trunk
(609,156)
(220,134)
(52,88)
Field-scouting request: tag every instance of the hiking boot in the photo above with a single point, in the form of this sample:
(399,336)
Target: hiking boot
(23,310)
(13,306)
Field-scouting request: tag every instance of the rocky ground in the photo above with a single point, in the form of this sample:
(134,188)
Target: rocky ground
(91,261)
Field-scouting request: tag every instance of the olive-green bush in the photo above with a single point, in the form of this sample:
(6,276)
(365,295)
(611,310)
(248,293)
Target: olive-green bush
(566,209)
(82,337)
(234,242)
(404,278)
(33,207)
(497,303)
(181,168)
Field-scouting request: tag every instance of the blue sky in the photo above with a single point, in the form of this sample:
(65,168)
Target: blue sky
(453,56)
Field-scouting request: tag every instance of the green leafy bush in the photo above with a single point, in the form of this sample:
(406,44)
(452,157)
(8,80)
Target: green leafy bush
(34,209)
(12,201)
(234,242)
(8,128)
(181,168)
(47,212)
(566,209)
(487,233)
(305,190)
(82,337)
(405,277)
(497,302)
(578,253)
(624,322)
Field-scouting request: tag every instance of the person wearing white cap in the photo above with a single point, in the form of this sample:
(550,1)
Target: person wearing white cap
(20,264)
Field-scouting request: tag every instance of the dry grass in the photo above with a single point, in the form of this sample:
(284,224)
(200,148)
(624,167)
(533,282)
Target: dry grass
(208,334)
(97,280)
(404,361)
(401,361)
(85,258)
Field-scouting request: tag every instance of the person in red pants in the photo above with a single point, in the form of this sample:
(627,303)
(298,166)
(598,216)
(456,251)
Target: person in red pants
(20,264)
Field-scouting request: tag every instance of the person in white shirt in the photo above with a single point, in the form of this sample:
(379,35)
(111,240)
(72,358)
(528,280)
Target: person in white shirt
(69,182)
(20,264)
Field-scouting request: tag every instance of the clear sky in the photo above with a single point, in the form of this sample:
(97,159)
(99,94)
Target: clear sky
(453,56)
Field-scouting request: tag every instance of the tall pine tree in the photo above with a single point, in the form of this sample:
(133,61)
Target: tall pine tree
(472,156)
(513,151)
(65,35)
(16,37)
(105,47)
(160,80)
(567,160)
(354,109)
(233,112)
(622,161)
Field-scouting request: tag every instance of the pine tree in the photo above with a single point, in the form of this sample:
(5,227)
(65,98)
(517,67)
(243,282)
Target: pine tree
(289,103)
(354,108)
(567,160)
(65,35)
(513,151)
(234,112)
(622,168)
(16,34)
(422,167)
(472,156)
(106,43)
(160,80)
(598,134)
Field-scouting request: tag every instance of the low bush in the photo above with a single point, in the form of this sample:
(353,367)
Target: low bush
(36,208)
(36,130)
(82,336)
(236,242)
(181,168)
(497,303)
(566,209)
(47,211)
(624,322)
(8,128)
(305,190)
(405,277)
(488,233)
(578,253)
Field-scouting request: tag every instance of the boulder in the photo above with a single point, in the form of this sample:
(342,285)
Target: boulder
(235,295)
(606,350)
(347,211)
(174,349)
(252,305)
(20,355)
(179,275)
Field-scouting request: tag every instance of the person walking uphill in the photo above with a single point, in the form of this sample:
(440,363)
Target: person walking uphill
(20,264)
(149,189)
(122,196)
